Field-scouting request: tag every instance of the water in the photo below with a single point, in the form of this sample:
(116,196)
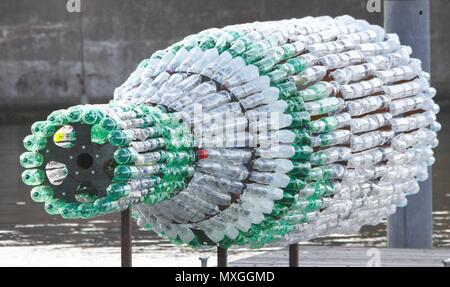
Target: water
(24,223)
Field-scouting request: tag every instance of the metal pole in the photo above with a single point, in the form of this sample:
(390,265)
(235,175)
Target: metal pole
(204,261)
(222,257)
(411,226)
(293,255)
(125,230)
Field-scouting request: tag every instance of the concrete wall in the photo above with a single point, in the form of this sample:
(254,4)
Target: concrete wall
(49,57)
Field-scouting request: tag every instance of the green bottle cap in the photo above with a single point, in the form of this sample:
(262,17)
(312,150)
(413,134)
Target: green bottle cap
(74,114)
(34,143)
(31,159)
(69,211)
(58,118)
(87,210)
(125,155)
(41,193)
(33,177)
(119,138)
(109,124)
(118,189)
(52,206)
(124,172)
(92,116)
(42,129)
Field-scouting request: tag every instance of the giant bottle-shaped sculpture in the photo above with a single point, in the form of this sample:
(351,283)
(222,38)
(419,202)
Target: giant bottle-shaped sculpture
(248,134)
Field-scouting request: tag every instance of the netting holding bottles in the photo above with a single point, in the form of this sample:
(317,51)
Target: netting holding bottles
(282,130)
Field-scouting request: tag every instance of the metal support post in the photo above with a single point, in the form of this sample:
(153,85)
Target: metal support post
(411,226)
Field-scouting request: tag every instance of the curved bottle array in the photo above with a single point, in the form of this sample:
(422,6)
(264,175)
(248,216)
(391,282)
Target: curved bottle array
(258,132)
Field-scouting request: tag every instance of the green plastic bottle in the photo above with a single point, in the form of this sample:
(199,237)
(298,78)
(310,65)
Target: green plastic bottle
(295,184)
(315,92)
(302,152)
(324,124)
(98,134)
(87,210)
(125,155)
(126,172)
(69,211)
(300,120)
(41,193)
(295,104)
(31,159)
(42,129)
(287,90)
(33,177)
(109,124)
(302,136)
(294,65)
(34,143)
(277,76)
(119,138)
(92,116)
(74,114)
(301,169)
(58,118)
(53,205)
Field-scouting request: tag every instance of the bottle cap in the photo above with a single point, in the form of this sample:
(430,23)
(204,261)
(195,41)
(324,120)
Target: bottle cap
(203,154)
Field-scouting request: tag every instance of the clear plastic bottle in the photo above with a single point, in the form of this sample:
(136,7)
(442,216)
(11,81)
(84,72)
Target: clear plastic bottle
(225,72)
(416,121)
(317,91)
(295,152)
(245,75)
(400,73)
(208,57)
(370,122)
(366,105)
(324,106)
(310,75)
(326,124)
(367,158)
(353,73)
(194,55)
(257,85)
(336,137)
(330,155)
(234,171)
(221,61)
(370,140)
(361,89)
(336,61)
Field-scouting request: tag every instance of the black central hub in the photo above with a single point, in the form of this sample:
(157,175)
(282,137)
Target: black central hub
(85,160)
(88,164)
